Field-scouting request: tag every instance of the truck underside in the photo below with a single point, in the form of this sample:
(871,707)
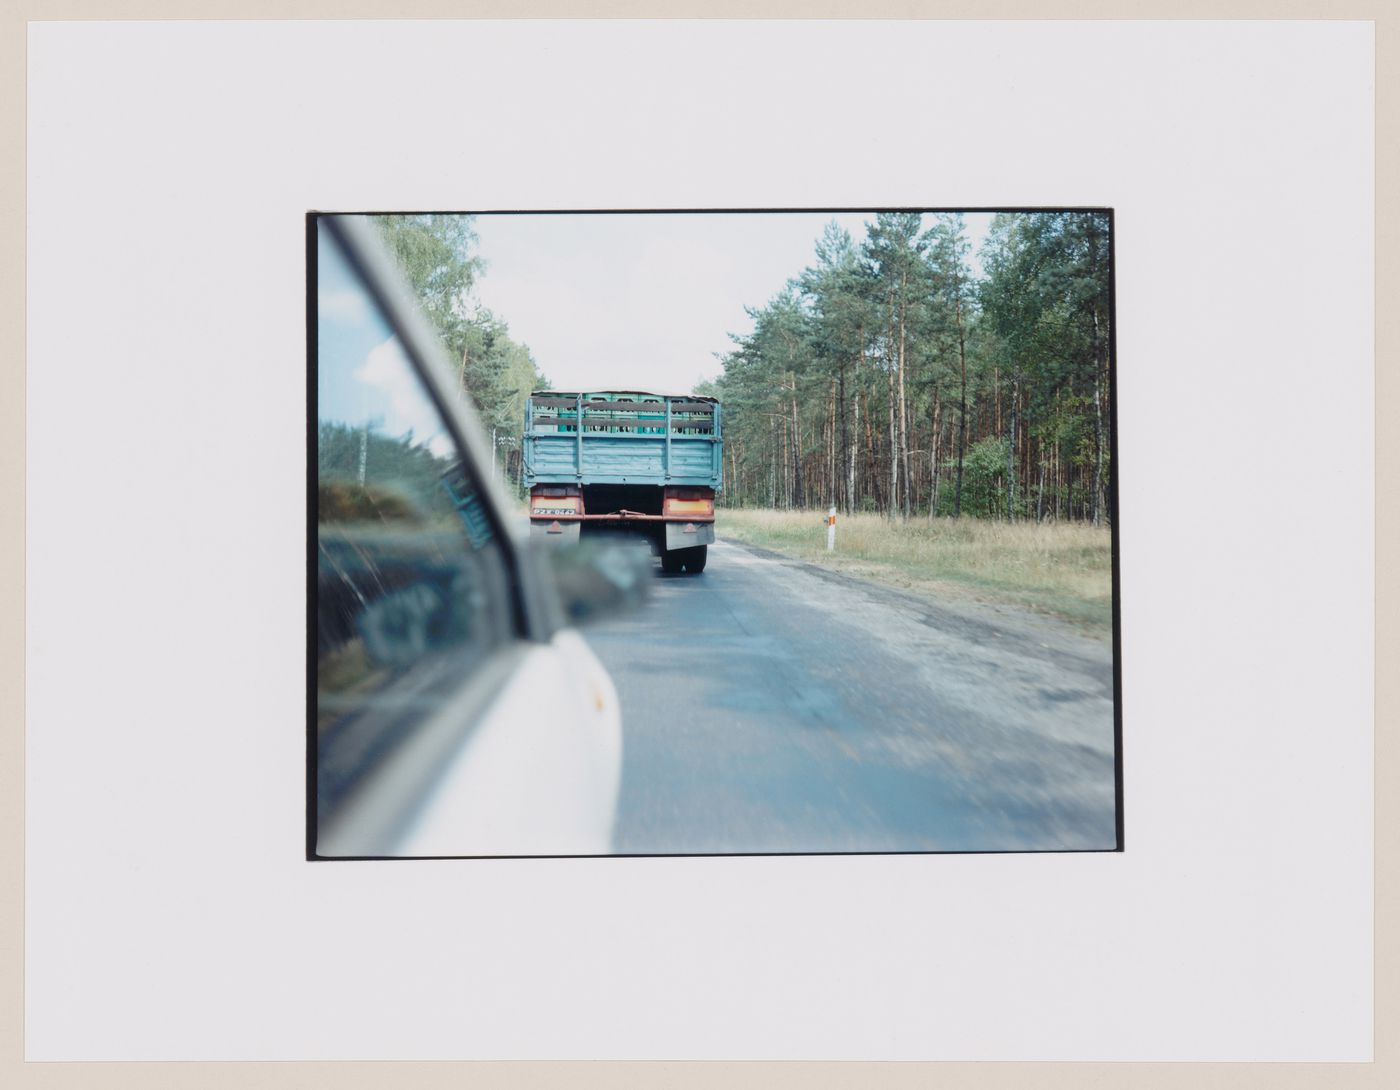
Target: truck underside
(678,522)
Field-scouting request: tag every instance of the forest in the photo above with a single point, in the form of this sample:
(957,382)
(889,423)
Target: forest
(887,377)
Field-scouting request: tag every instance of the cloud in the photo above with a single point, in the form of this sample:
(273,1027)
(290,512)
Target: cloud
(399,394)
(344,305)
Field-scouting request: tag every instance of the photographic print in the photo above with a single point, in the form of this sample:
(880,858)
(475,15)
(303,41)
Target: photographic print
(516,595)
(712,532)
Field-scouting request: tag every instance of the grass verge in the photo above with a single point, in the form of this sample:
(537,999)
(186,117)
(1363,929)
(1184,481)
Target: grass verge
(1060,569)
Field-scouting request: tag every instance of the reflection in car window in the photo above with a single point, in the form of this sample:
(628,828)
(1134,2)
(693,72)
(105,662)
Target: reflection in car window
(411,592)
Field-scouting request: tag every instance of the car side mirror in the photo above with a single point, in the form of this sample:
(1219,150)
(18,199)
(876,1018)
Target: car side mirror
(597,580)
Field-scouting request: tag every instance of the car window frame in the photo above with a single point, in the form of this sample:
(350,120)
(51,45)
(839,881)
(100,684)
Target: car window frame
(389,796)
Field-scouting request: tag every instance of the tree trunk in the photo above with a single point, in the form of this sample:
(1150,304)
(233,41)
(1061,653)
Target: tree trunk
(792,465)
(996,400)
(903,410)
(962,414)
(845,438)
(1011,457)
(934,441)
(871,467)
(1100,375)
(774,491)
(1098,450)
(797,498)
(852,490)
(889,375)
(833,479)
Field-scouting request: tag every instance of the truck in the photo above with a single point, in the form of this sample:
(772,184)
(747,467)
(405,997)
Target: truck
(609,461)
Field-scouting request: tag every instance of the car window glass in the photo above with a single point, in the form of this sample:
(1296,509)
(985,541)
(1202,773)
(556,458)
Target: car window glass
(412,591)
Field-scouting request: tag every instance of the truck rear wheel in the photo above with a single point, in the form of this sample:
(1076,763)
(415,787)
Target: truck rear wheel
(671,561)
(694,558)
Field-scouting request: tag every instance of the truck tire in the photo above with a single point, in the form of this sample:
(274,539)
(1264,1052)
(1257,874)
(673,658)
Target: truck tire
(694,558)
(672,561)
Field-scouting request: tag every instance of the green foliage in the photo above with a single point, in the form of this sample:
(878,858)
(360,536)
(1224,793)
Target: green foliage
(1046,298)
(952,294)
(437,254)
(837,292)
(706,388)
(1025,344)
(984,478)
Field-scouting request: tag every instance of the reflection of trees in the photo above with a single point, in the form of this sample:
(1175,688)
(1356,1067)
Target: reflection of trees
(364,474)
(396,576)
(392,555)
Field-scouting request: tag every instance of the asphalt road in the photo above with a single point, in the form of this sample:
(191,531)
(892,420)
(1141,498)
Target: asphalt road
(771,706)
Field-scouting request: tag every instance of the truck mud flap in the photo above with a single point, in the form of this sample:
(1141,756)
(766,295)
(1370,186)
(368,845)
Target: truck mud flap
(682,535)
(555,530)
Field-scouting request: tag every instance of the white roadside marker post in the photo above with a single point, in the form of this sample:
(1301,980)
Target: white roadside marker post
(830,529)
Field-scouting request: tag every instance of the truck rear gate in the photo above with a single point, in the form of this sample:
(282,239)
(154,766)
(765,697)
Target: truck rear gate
(622,438)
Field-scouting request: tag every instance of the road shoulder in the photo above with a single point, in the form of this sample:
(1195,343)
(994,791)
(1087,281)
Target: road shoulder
(947,604)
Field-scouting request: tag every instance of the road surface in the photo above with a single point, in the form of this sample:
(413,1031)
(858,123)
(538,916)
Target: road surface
(770,705)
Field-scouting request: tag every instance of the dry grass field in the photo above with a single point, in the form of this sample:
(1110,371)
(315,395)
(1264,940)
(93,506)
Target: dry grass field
(1062,569)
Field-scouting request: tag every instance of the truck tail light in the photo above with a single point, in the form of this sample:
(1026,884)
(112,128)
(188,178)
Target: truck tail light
(688,501)
(551,502)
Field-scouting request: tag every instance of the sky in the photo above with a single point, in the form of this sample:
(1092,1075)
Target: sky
(363,374)
(646,301)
